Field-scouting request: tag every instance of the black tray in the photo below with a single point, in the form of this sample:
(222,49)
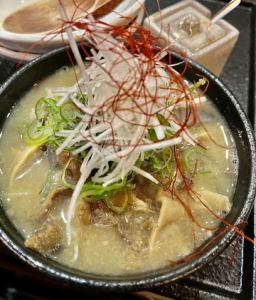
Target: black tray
(230,276)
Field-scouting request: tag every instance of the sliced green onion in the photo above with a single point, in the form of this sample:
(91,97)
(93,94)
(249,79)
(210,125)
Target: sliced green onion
(82,98)
(63,176)
(162,120)
(159,162)
(44,108)
(198,84)
(118,203)
(94,191)
(36,134)
(69,112)
(196,160)
(152,135)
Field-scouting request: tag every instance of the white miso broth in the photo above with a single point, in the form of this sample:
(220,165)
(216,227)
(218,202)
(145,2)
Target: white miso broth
(154,228)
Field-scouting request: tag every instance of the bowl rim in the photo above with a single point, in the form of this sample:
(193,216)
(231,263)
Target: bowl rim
(140,281)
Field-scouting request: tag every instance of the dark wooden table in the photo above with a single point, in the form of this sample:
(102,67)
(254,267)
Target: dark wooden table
(224,278)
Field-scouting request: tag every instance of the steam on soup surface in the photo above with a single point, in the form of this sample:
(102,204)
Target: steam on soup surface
(133,224)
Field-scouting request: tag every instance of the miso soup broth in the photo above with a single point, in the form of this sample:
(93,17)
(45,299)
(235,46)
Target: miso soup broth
(132,227)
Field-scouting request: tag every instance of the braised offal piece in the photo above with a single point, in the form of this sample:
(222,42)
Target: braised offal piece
(46,241)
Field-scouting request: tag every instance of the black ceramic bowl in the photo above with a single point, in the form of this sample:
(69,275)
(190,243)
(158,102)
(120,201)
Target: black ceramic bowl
(243,198)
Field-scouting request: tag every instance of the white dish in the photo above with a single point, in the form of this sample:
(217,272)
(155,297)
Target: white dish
(126,11)
(23,57)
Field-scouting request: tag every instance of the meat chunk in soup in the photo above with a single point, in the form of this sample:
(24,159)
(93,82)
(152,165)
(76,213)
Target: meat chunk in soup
(46,241)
